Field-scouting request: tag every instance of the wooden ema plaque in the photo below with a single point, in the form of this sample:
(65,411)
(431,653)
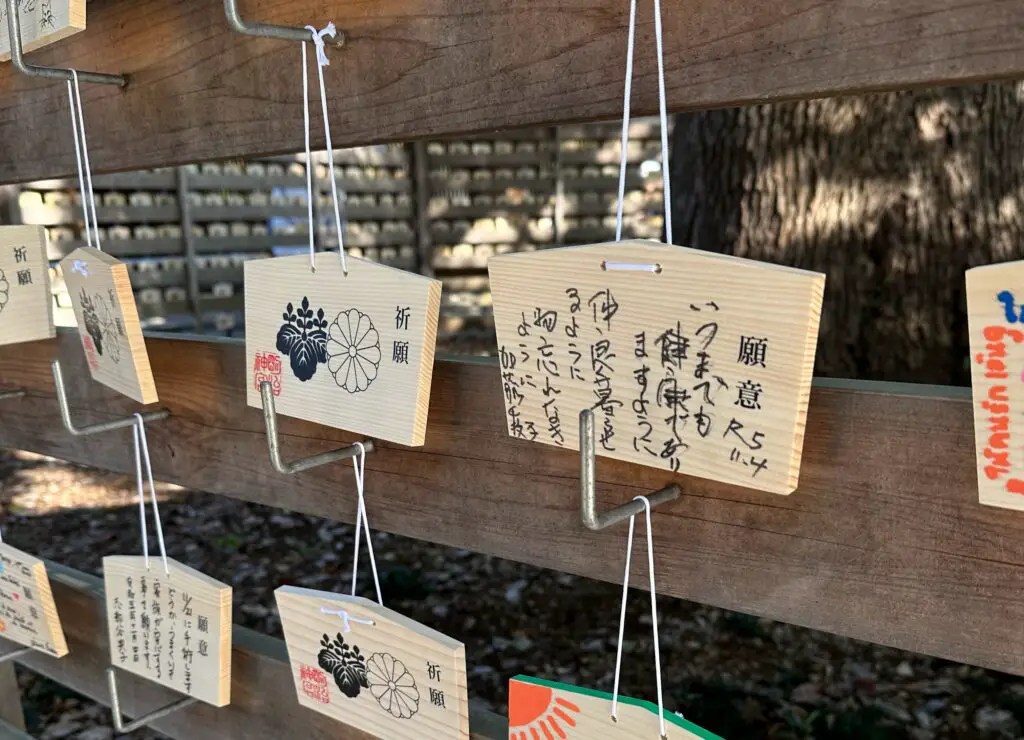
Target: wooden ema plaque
(703,367)
(995,318)
(42,22)
(26,304)
(543,710)
(108,323)
(372,668)
(353,352)
(174,630)
(28,614)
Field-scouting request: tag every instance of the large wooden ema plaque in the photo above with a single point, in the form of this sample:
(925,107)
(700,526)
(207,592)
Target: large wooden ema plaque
(352,352)
(28,614)
(42,22)
(995,318)
(173,629)
(108,323)
(539,709)
(373,669)
(693,362)
(26,304)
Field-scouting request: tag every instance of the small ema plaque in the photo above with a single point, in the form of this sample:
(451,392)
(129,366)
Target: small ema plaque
(171,628)
(26,304)
(692,362)
(546,709)
(371,668)
(28,615)
(42,22)
(108,323)
(352,351)
(995,318)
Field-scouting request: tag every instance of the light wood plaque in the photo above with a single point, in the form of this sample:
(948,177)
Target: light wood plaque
(372,668)
(108,323)
(354,352)
(28,614)
(26,304)
(540,709)
(995,319)
(42,22)
(173,629)
(702,367)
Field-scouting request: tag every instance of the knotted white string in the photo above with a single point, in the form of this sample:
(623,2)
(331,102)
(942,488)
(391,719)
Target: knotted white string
(139,435)
(82,155)
(654,615)
(359,464)
(347,620)
(664,119)
(321,62)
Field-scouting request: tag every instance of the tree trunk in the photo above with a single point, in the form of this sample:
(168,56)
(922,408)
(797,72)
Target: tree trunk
(893,196)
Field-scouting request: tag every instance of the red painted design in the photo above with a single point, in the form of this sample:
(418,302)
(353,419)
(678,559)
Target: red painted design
(314,684)
(90,352)
(267,368)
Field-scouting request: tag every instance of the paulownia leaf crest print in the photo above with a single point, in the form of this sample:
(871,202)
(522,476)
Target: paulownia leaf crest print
(345,663)
(303,339)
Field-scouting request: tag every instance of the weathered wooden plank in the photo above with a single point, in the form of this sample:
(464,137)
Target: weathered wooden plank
(416,68)
(263,705)
(884,539)
(12,717)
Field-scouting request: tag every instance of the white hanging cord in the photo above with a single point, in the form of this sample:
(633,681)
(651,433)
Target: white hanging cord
(663,109)
(654,616)
(321,62)
(347,620)
(359,464)
(139,434)
(78,161)
(88,196)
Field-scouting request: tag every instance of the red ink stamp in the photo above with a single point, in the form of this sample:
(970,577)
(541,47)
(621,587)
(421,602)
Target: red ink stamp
(267,369)
(314,684)
(90,352)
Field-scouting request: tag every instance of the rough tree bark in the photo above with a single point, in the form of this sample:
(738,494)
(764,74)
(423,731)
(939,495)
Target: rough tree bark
(893,196)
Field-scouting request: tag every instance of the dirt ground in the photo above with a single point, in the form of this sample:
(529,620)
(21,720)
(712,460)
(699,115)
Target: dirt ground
(737,675)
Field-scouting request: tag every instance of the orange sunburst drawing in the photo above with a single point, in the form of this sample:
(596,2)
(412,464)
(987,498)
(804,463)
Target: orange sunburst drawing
(535,713)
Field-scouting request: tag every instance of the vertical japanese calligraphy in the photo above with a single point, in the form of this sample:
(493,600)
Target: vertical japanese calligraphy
(28,615)
(26,304)
(995,317)
(351,351)
(546,709)
(171,628)
(372,668)
(701,367)
(108,323)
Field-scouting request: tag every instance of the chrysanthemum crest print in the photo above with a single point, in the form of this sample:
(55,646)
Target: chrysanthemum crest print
(353,350)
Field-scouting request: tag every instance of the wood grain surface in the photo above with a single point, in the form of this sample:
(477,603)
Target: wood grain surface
(262,706)
(884,540)
(418,68)
(370,667)
(703,366)
(26,304)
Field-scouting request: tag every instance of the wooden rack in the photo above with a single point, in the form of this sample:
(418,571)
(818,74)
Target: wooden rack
(884,540)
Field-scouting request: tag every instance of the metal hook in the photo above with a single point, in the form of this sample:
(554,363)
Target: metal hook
(33,70)
(269,30)
(103,426)
(274,444)
(20,393)
(115,708)
(15,654)
(588,484)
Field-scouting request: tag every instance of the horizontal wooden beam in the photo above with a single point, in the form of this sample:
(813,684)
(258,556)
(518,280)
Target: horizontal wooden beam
(884,539)
(419,68)
(263,704)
